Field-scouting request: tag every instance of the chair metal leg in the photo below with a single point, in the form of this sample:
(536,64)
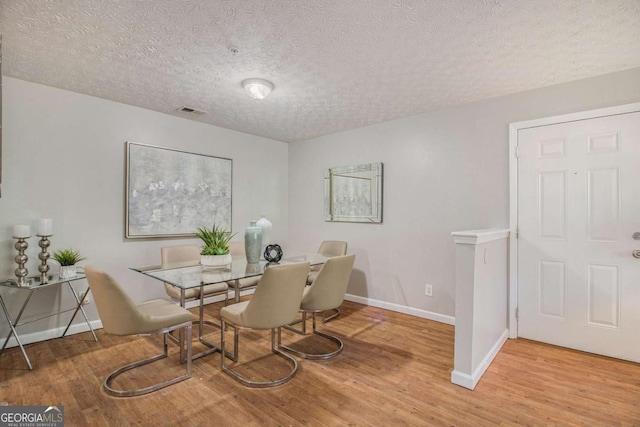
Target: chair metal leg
(325,319)
(233,356)
(274,348)
(137,392)
(303,328)
(323,356)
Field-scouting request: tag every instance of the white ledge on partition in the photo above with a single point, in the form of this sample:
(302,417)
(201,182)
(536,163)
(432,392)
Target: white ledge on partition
(475,237)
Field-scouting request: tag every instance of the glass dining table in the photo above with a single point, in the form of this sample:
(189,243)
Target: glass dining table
(197,276)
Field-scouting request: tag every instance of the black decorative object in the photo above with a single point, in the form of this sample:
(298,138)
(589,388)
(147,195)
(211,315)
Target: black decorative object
(273,253)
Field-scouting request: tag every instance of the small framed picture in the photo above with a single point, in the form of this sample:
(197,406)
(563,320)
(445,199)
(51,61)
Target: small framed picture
(354,193)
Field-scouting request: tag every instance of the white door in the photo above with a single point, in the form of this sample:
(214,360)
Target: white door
(578,209)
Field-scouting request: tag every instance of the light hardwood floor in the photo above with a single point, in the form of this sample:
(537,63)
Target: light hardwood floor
(395,370)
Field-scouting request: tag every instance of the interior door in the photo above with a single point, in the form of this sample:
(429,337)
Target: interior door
(578,210)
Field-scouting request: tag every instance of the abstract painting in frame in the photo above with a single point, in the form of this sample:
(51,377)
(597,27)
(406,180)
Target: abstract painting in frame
(354,193)
(170,193)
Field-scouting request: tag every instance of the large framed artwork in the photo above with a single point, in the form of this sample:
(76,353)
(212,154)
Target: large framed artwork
(170,193)
(354,193)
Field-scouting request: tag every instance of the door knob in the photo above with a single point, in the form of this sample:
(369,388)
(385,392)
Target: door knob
(636,253)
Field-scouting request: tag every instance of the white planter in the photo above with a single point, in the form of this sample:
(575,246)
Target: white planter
(215,261)
(68,271)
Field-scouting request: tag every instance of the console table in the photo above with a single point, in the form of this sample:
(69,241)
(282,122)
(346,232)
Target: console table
(33,285)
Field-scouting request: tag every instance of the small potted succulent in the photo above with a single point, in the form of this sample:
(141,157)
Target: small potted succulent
(67,258)
(215,247)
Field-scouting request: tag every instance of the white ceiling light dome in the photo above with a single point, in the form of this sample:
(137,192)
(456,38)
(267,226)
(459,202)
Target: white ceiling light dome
(257,88)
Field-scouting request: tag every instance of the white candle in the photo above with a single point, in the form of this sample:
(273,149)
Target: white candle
(45,227)
(21,231)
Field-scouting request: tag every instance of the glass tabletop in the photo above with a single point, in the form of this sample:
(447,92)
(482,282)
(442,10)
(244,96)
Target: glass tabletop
(35,283)
(191,276)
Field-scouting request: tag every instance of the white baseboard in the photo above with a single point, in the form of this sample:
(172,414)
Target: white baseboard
(470,381)
(449,320)
(97,324)
(32,337)
(464,380)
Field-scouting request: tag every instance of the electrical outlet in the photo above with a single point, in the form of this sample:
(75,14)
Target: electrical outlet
(428,290)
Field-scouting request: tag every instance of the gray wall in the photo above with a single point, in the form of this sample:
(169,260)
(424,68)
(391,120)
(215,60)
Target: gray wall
(444,171)
(64,158)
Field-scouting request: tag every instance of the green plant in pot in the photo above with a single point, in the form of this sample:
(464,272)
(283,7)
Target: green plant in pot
(215,246)
(67,258)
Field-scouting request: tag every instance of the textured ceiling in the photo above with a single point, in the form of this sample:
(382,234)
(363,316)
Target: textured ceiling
(336,65)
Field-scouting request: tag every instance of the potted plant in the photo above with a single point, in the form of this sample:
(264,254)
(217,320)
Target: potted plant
(215,248)
(67,258)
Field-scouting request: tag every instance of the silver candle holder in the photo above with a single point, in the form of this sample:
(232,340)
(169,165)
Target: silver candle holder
(43,256)
(21,259)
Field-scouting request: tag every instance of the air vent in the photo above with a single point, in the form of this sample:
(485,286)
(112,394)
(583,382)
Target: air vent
(191,111)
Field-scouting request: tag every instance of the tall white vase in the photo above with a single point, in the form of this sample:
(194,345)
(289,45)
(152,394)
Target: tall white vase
(253,242)
(266,226)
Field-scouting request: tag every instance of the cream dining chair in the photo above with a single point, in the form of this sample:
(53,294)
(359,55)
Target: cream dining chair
(121,316)
(275,303)
(325,293)
(182,256)
(328,248)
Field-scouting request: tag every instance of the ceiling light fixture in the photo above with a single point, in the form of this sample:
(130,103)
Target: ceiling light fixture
(257,88)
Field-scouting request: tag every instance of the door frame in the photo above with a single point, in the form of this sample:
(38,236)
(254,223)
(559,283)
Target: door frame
(513,189)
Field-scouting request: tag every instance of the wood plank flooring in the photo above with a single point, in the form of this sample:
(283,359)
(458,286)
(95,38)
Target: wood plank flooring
(395,370)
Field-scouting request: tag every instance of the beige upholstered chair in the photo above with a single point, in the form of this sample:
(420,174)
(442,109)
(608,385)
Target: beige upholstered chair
(183,256)
(121,316)
(325,293)
(274,304)
(328,248)
(236,249)
(180,256)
